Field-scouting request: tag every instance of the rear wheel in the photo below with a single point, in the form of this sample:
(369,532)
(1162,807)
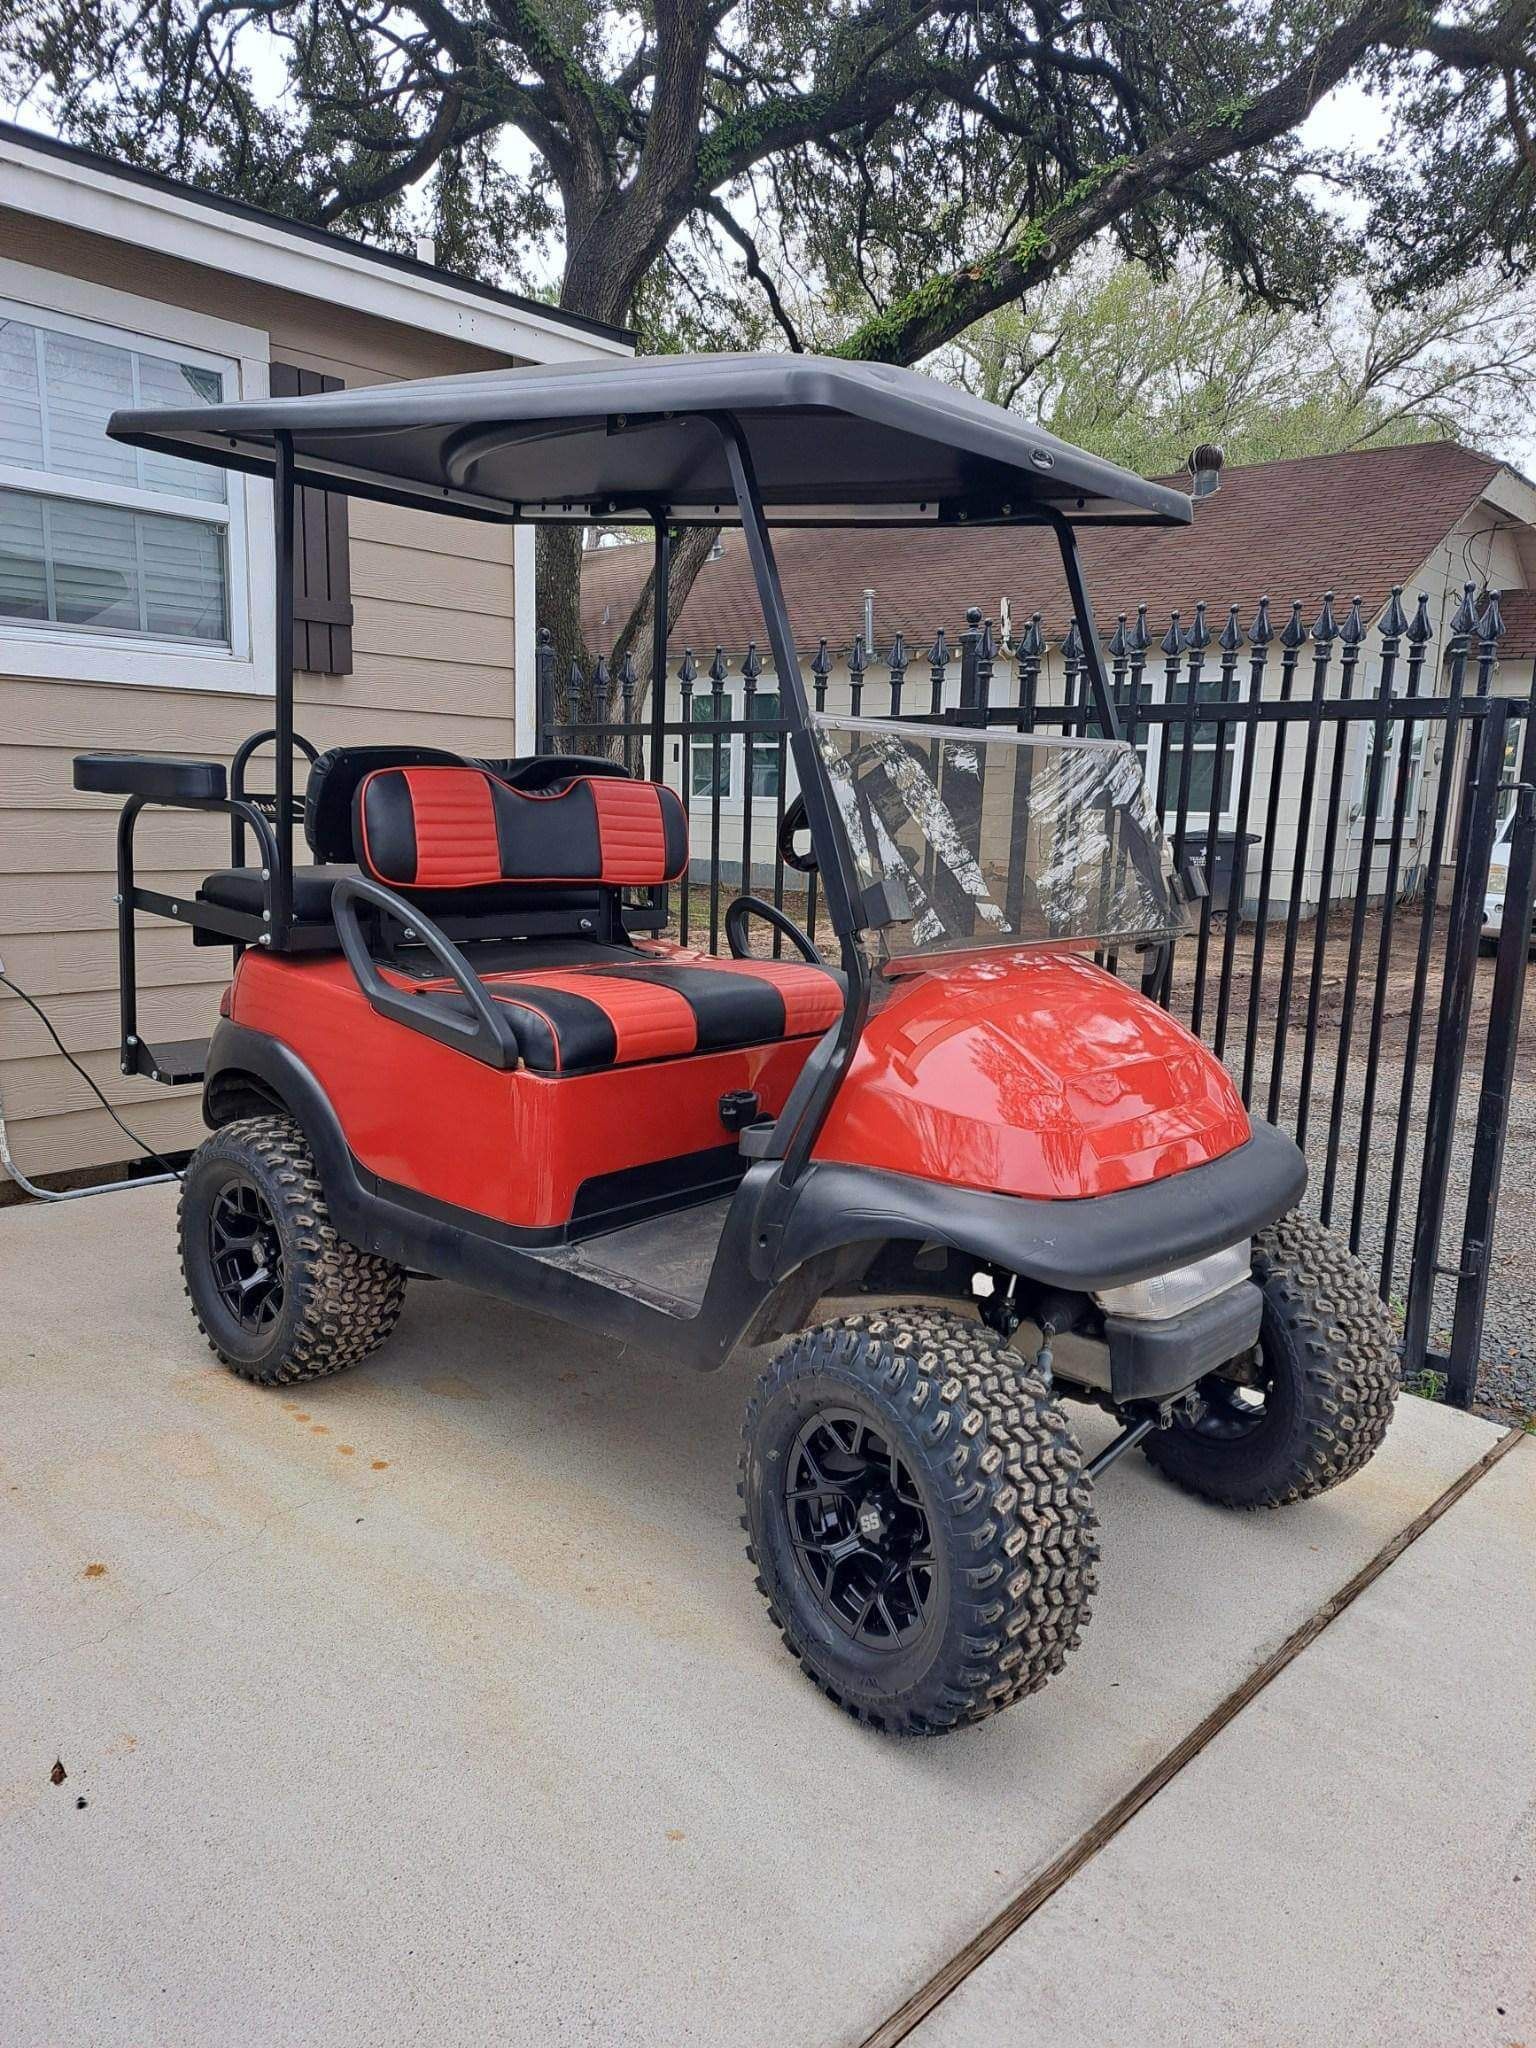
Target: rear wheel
(279,1296)
(920,1518)
(1310,1408)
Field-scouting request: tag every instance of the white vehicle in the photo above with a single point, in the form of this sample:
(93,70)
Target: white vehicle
(1498,882)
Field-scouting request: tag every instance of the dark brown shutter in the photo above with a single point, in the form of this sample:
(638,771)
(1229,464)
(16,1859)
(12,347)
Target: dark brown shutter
(322,565)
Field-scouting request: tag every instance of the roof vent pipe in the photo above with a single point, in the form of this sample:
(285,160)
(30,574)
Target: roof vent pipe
(1205,466)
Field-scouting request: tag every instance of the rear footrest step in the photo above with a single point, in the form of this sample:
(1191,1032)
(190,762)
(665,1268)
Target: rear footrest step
(177,1062)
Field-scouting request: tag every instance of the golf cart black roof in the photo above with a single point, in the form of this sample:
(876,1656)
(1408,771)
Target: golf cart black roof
(831,442)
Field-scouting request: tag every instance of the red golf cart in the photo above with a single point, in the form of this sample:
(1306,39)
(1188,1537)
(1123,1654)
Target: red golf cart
(960,1169)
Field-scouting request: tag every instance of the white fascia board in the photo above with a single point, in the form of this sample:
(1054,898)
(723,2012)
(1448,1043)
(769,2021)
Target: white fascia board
(81,196)
(1513,493)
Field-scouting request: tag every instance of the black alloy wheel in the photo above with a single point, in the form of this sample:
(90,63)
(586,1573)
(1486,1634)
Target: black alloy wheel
(859,1527)
(246,1255)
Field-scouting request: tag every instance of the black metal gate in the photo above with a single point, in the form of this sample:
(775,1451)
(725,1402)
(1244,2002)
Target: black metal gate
(1345,786)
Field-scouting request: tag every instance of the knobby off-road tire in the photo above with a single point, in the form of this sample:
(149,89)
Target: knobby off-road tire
(1330,1367)
(254,1227)
(1005,1505)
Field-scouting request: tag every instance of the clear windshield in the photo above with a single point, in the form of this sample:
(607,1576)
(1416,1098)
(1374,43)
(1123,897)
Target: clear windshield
(1002,839)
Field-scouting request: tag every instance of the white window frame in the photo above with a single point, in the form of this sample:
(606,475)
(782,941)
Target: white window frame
(1154,682)
(47,651)
(1159,736)
(1387,796)
(733,751)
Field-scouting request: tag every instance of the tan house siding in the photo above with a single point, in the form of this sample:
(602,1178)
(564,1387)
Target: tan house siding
(434,660)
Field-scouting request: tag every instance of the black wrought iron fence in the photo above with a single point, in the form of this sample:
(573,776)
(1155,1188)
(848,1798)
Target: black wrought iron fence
(1357,793)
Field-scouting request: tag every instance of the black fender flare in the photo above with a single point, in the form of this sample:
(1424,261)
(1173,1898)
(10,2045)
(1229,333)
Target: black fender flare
(247,1070)
(1094,1242)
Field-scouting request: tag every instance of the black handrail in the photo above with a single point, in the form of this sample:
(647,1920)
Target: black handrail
(237,768)
(486,1035)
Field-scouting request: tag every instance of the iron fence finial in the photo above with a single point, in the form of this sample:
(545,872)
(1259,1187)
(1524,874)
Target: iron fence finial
(1261,632)
(1420,630)
(1490,626)
(1464,618)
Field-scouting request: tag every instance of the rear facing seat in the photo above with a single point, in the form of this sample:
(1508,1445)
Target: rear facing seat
(434,830)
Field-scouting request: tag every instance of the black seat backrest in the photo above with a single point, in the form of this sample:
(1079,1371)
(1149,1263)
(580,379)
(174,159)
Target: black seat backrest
(333,781)
(540,771)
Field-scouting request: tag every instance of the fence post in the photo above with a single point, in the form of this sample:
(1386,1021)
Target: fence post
(970,645)
(1493,1102)
(544,692)
(896,662)
(938,665)
(1477,826)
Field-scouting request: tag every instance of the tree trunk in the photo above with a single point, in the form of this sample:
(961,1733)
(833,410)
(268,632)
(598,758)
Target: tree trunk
(557,586)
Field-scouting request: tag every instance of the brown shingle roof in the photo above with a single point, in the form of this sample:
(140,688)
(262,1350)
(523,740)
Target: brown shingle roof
(1358,522)
(1519,610)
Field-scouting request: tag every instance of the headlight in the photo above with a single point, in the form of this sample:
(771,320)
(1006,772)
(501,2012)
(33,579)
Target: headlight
(1170,1294)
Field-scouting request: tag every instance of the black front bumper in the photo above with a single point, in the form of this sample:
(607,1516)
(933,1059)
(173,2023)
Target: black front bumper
(1148,1361)
(1080,1246)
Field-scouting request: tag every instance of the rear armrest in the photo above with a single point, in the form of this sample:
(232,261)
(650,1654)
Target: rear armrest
(160,778)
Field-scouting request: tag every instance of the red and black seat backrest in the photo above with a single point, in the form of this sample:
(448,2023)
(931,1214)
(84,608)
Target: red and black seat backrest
(444,829)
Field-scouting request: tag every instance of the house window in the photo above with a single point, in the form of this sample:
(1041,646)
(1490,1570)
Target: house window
(765,746)
(1213,758)
(98,540)
(724,777)
(710,771)
(1386,796)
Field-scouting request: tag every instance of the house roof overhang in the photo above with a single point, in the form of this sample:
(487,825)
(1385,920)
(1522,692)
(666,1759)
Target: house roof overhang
(55,181)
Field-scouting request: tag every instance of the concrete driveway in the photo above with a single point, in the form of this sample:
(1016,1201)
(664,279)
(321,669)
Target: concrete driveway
(436,1705)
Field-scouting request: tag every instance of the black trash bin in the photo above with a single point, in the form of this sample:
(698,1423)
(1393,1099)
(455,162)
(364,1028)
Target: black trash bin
(1232,850)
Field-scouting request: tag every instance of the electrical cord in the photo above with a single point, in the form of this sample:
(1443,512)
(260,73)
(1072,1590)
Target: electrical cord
(42,1016)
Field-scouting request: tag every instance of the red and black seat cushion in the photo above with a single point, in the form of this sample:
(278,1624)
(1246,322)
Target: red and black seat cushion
(633,1008)
(448,828)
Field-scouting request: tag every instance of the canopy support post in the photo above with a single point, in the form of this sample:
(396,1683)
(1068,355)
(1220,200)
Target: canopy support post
(1088,632)
(844,907)
(280,888)
(660,622)
(831,852)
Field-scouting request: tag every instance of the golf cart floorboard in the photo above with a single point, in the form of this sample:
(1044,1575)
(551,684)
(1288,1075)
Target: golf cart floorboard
(664,1260)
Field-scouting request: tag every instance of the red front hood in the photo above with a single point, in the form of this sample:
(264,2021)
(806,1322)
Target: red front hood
(1030,1073)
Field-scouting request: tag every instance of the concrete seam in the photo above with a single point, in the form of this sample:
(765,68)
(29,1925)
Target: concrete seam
(1047,1882)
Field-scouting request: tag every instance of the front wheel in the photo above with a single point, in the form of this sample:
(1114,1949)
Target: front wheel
(1311,1407)
(277,1293)
(920,1518)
